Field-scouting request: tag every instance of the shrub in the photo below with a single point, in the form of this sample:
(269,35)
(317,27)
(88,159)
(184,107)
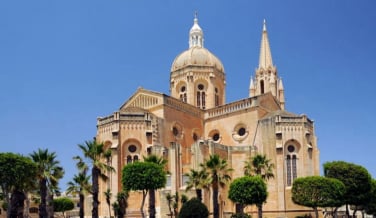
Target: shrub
(194,208)
(240,215)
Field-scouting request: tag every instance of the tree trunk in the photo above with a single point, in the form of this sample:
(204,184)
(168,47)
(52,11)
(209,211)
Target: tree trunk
(316,212)
(151,203)
(50,204)
(239,208)
(199,194)
(335,212)
(43,197)
(215,202)
(259,210)
(82,201)
(16,206)
(144,193)
(354,212)
(95,187)
(347,211)
(26,213)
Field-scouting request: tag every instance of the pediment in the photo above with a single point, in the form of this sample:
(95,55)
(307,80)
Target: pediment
(144,99)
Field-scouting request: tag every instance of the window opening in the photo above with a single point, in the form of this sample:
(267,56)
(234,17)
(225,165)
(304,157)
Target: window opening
(262,86)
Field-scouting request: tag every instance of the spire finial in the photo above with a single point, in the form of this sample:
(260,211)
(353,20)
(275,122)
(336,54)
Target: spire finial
(264,27)
(196,14)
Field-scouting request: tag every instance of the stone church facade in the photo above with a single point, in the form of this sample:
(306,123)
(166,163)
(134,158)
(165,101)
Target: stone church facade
(195,121)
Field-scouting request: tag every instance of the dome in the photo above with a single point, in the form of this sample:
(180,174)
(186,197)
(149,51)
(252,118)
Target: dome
(196,56)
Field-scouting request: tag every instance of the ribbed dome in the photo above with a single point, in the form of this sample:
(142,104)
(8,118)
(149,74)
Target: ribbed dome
(196,56)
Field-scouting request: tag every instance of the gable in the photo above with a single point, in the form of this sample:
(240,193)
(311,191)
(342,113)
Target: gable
(144,99)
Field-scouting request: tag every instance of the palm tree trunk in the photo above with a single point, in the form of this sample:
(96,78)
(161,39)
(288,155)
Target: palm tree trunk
(82,201)
(27,207)
(50,205)
(43,196)
(215,203)
(151,203)
(95,174)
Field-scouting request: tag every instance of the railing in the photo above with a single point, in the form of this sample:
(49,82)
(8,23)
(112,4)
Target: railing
(225,109)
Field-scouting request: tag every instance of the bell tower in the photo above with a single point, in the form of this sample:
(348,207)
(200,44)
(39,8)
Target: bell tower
(266,75)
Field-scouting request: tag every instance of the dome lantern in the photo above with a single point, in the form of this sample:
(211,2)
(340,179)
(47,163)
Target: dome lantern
(196,35)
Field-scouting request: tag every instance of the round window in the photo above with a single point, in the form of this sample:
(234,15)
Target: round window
(291,148)
(200,87)
(241,131)
(132,148)
(182,89)
(216,137)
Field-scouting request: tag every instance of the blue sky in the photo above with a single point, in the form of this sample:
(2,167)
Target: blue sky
(64,63)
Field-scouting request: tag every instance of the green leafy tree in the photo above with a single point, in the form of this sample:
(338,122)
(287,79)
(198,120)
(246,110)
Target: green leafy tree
(194,208)
(318,191)
(49,172)
(97,158)
(162,162)
(248,190)
(80,185)
(143,176)
(17,172)
(259,165)
(356,179)
(370,206)
(219,177)
(63,204)
(197,179)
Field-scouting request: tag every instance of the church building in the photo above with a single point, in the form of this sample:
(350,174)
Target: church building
(194,121)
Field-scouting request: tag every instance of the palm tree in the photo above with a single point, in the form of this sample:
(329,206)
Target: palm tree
(219,172)
(261,166)
(80,185)
(108,195)
(96,155)
(48,173)
(162,162)
(197,179)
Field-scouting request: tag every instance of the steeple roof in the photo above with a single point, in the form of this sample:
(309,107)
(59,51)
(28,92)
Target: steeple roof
(265,60)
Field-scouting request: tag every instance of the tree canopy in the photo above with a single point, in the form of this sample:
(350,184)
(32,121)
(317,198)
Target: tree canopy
(370,206)
(248,190)
(18,173)
(318,191)
(63,204)
(194,208)
(356,179)
(143,176)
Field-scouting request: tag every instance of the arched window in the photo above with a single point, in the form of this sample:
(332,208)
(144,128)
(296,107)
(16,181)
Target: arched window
(262,86)
(291,165)
(183,94)
(216,97)
(201,96)
(129,159)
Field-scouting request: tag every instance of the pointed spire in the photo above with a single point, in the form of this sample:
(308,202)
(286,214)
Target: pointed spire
(265,60)
(196,35)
